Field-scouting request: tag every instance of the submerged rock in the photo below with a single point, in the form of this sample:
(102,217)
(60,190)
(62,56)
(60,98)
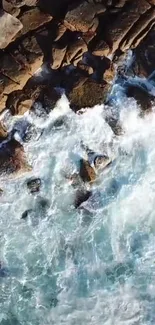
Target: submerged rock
(34,185)
(82,195)
(141,95)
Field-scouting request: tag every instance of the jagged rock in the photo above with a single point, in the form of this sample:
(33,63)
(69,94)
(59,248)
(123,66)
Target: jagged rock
(87,173)
(17,67)
(9,27)
(143,98)
(144,64)
(88,94)
(34,185)
(12,158)
(81,196)
(3,132)
(83,17)
(139,30)
(33,19)
(75,52)
(8,7)
(119,29)
(58,54)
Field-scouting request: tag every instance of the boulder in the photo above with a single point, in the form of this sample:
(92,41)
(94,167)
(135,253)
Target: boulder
(83,17)
(10,26)
(58,54)
(87,172)
(75,52)
(33,19)
(34,185)
(12,158)
(88,94)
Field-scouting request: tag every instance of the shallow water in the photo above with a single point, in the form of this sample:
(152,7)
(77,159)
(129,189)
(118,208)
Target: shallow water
(66,266)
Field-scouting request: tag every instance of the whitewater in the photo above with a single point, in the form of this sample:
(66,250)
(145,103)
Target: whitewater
(80,266)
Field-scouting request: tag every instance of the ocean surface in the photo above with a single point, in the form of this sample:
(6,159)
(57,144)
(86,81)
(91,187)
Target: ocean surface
(88,266)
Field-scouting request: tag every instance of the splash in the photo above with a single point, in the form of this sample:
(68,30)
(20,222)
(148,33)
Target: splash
(61,265)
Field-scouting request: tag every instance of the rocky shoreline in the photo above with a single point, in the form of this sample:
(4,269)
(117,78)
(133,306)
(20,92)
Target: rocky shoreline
(77,46)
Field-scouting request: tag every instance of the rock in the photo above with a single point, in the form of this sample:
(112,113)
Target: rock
(115,125)
(3,132)
(75,52)
(12,158)
(8,7)
(10,26)
(81,196)
(143,64)
(143,98)
(109,73)
(140,30)
(119,29)
(101,48)
(88,94)
(33,19)
(60,31)
(101,161)
(83,17)
(84,67)
(20,3)
(87,173)
(58,54)
(26,214)
(34,185)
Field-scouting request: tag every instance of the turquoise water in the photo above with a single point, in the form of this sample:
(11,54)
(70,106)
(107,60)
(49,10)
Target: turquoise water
(66,266)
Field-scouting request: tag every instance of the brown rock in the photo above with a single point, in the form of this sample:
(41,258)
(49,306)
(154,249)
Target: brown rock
(58,54)
(8,7)
(32,19)
(83,17)
(139,30)
(101,49)
(60,31)
(144,63)
(88,94)
(12,158)
(10,26)
(3,132)
(109,73)
(87,172)
(75,52)
(120,27)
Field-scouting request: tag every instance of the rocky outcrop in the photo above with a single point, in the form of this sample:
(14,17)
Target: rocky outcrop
(88,35)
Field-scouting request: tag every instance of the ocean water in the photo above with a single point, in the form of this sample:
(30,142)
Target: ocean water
(89,266)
